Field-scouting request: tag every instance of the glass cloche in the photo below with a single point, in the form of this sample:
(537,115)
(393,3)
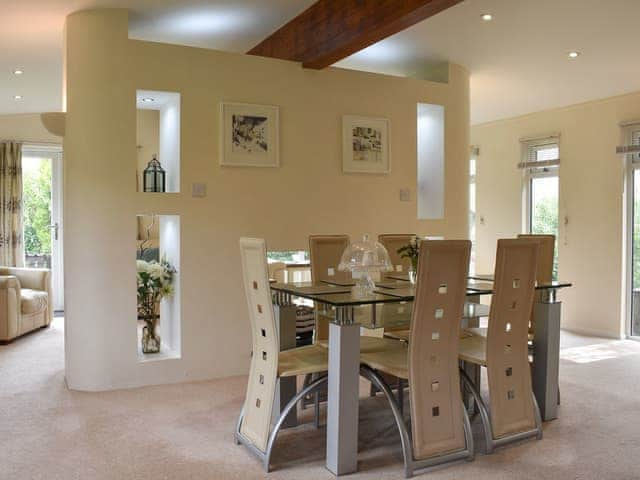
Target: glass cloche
(362,259)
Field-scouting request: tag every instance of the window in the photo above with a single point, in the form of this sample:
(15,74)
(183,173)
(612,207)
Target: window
(540,165)
(633,228)
(472,206)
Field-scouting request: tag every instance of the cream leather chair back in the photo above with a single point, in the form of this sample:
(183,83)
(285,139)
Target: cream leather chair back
(508,369)
(258,406)
(434,378)
(393,242)
(325,252)
(278,272)
(546,251)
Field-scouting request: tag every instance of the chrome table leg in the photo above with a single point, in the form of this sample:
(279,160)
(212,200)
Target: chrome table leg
(342,405)
(546,351)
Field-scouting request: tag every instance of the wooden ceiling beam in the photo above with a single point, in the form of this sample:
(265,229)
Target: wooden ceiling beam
(330,30)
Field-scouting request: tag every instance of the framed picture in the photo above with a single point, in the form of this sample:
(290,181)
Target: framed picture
(249,135)
(365,145)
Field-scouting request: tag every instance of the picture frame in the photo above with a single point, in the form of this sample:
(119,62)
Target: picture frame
(365,145)
(249,135)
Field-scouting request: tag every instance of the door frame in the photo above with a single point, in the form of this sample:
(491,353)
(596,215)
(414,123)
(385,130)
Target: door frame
(54,152)
(630,166)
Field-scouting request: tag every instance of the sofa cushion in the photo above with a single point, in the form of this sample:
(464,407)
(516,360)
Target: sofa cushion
(32,301)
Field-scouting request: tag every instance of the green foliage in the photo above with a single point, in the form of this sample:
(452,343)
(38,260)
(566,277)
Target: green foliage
(285,256)
(636,242)
(36,195)
(545,221)
(412,252)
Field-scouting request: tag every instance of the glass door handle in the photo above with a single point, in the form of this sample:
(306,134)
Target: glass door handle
(55,227)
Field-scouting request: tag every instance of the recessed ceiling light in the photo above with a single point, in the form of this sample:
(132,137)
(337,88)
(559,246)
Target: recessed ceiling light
(487,17)
(148,99)
(574,54)
(18,71)
(17,97)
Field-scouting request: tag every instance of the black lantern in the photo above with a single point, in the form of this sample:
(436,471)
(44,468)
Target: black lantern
(154,177)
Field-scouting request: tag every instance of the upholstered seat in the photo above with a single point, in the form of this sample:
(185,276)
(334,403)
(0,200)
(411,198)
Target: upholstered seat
(367,344)
(402,335)
(473,349)
(33,301)
(393,359)
(25,301)
(302,361)
(482,332)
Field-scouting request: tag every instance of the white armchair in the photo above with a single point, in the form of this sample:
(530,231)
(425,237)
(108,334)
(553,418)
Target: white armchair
(25,301)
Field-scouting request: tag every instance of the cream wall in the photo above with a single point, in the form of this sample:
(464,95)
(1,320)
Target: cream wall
(307,194)
(25,128)
(147,139)
(591,201)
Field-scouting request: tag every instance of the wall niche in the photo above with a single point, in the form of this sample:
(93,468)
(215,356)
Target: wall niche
(158,241)
(158,136)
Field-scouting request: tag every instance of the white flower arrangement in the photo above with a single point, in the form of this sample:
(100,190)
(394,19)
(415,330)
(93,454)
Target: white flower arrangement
(155,282)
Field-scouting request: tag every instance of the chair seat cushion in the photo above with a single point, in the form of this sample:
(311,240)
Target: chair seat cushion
(393,360)
(473,348)
(402,335)
(33,301)
(367,344)
(303,361)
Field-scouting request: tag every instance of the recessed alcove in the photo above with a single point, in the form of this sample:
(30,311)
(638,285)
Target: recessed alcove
(158,240)
(158,134)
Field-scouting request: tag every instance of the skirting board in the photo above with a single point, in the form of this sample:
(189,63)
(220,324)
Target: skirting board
(592,332)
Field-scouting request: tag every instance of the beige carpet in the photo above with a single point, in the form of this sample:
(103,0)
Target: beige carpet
(185,431)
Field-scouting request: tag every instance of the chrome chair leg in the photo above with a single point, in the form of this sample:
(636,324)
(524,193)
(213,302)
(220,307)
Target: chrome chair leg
(382,386)
(484,412)
(401,396)
(316,410)
(312,387)
(538,416)
(236,434)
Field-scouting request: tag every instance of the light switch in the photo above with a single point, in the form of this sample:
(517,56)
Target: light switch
(199,190)
(405,195)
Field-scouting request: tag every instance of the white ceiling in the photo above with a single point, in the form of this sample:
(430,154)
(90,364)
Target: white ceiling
(518,61)
(31,35)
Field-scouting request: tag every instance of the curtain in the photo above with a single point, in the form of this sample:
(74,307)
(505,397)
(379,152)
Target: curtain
(11,241)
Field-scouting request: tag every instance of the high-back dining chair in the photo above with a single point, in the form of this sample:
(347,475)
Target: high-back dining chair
(268,363)
(544,269)
(440,429)
(394,242)
(514,412)
(325,252)
(546,251)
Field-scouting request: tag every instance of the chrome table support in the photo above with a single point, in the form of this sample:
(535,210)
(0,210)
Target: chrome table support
(342,406)
(546,353)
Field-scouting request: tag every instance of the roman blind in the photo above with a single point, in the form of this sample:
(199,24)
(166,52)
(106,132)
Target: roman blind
(540,154)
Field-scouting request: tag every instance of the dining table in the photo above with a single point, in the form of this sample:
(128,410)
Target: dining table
(389,307)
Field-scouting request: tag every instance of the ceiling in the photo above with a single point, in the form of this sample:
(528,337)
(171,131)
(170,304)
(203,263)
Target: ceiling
(518,61)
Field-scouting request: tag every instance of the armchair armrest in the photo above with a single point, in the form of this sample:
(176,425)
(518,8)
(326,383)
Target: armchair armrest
(9,307)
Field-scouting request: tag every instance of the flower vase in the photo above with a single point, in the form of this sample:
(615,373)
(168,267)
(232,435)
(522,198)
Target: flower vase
(150,339)
(412,276)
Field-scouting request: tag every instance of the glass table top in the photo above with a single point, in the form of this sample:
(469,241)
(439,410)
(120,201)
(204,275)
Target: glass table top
(386,291)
